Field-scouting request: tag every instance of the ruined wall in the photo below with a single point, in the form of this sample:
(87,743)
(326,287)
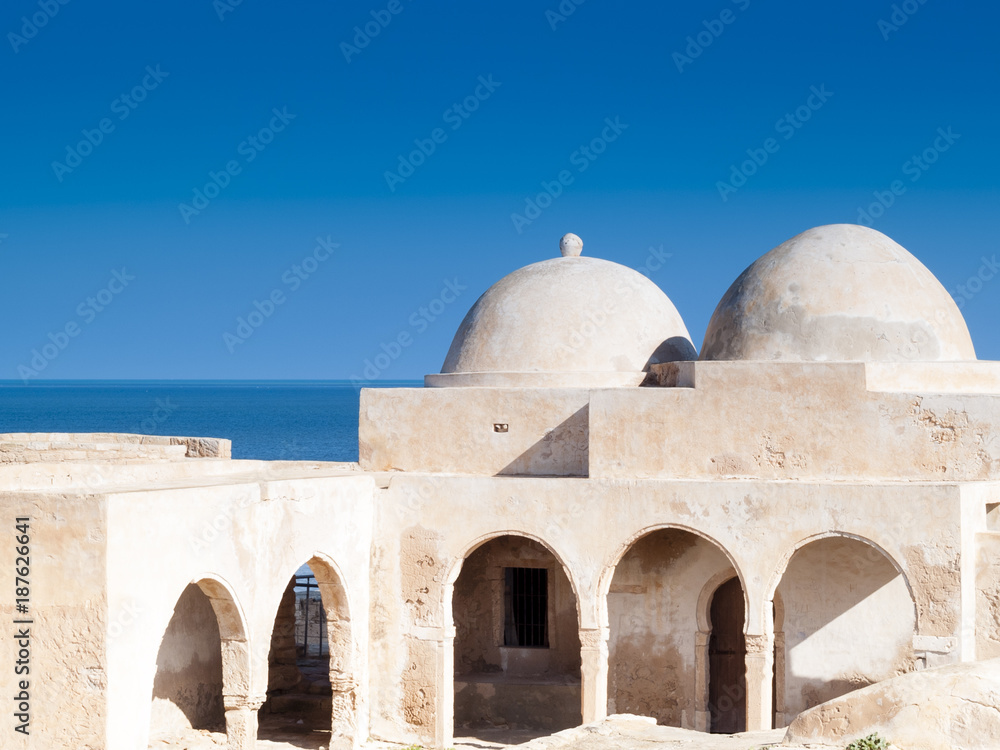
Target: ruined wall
(653,615)
(848,622)
(187,689)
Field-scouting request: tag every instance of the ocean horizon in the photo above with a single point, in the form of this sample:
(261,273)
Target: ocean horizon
(288,420)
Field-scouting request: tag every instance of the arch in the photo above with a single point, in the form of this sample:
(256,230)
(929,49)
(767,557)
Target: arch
(501,670)
(782,567)
(608,573)
(831,586)
(204,599)
(670,619)
(341,667)
(455,569)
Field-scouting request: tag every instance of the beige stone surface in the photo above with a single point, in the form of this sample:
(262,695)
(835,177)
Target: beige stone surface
(834,293)
(955,707)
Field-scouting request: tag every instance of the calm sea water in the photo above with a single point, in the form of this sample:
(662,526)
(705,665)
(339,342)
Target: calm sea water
(274,420)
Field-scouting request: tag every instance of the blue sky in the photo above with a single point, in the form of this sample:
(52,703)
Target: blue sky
(364,178)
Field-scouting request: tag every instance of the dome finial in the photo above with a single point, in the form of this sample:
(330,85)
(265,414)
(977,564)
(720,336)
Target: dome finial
(570,245)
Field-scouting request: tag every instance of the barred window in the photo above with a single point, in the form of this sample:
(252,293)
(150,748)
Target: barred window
(526,607)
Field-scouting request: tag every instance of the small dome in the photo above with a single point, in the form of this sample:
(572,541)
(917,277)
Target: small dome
(567,322)
(838,293)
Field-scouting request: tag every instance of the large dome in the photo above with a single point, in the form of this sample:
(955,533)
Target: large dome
(838,293)
(566,322)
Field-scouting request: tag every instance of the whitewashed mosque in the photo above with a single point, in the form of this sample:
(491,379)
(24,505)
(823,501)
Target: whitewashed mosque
(580,515)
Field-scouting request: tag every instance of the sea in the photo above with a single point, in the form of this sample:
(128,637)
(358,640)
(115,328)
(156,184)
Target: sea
(270,420)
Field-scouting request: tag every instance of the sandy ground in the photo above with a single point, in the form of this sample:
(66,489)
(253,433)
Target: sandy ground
(616,733)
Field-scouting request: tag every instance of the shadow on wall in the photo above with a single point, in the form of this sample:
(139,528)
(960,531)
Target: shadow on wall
(187,690)
(563,452)
(849,622)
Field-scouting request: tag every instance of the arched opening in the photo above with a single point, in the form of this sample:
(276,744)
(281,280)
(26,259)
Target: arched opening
(658,612)
(727,653)
(517,641)
(202,658)
(311,691)
(848,622)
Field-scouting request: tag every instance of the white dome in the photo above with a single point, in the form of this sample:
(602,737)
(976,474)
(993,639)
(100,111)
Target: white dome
(838,293)
(566,322)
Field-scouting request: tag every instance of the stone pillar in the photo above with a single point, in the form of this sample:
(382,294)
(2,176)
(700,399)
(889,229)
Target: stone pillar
(702,711)
(760,672)
(594,674)
(779,682)
(445,724)
(345,705)
(241,721)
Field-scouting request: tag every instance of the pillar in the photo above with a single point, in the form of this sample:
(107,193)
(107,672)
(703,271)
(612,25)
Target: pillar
(445,729)
(241,721)
(594,674)
(702,713)
(760,672)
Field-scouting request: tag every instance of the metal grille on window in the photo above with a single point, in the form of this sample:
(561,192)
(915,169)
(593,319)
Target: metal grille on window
(526,606)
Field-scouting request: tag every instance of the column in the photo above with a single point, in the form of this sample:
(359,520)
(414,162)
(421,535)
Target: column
(760,672)
(241,721)
(594,674)
(445,729)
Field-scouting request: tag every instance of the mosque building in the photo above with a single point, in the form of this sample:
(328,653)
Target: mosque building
(580,515)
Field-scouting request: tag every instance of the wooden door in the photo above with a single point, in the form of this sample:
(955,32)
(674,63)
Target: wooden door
(727,660)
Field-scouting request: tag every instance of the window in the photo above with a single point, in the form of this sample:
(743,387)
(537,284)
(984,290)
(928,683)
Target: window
(526,607)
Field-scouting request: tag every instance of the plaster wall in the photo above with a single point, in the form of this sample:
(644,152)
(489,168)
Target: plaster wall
(455,430)
(848,622)
(68,667)
(804,421)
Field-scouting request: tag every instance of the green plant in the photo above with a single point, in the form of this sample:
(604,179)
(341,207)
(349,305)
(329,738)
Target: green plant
(871,742)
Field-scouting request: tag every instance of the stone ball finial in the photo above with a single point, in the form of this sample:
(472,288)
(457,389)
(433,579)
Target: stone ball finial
(570,245)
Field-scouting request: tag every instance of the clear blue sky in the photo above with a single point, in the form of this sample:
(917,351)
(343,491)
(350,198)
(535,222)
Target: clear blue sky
(198,87)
